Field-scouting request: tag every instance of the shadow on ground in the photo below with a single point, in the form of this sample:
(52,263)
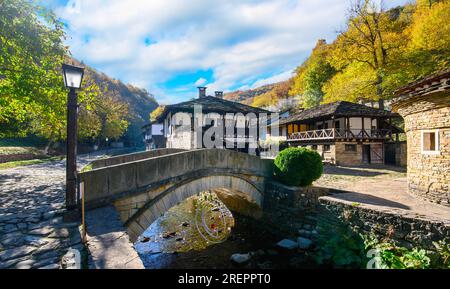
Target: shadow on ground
(369,199)
(363,171)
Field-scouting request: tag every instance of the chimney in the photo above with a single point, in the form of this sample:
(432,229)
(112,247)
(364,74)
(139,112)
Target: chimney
(201,91)
(219,94)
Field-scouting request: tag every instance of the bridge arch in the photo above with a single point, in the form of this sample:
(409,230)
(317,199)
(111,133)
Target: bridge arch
(154,208)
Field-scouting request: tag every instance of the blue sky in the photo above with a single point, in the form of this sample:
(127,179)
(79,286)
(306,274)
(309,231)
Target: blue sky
(171,46)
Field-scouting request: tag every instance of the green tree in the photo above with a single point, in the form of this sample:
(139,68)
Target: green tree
(112,114)
(31,54)
(33,98)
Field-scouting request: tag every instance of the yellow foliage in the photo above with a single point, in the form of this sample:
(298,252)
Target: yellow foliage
(431,28)
(352,84)
(157,112)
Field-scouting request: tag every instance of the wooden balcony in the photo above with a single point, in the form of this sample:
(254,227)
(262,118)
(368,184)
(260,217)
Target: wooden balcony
(341,134)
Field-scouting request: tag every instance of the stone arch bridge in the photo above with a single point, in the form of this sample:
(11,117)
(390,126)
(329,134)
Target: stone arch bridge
(144,186)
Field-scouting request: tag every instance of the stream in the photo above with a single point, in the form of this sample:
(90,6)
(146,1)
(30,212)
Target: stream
(201,233)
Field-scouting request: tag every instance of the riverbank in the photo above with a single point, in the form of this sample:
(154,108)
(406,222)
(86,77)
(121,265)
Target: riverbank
(173,242)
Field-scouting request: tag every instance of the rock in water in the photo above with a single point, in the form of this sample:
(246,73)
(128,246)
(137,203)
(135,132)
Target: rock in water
(240,258)
(304,243)
(287,244)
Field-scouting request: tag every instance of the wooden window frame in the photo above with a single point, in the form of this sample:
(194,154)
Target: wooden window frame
(352,145)
(436,141)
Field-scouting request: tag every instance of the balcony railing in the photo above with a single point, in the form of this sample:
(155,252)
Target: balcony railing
(333,133)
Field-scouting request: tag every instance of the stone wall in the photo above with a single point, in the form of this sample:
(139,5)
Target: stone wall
(288,209)
(104,185)
(112,161)
(404,228)
(328,156)
(428,174)
(181,139)
(16,157)
(401,154)
(348,158)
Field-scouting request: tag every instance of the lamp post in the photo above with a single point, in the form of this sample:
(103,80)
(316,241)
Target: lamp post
(73,77)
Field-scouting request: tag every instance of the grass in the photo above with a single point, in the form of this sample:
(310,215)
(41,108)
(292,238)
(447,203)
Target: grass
(11,165)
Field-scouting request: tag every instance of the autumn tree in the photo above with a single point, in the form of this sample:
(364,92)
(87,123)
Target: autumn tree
(312,75)
(272,97)
(157,112)
(427,44)
(364,49)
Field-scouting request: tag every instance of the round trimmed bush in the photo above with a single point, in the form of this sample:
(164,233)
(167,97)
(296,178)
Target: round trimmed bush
(298,166)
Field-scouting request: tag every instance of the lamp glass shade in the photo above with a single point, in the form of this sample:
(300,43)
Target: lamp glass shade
(73,76)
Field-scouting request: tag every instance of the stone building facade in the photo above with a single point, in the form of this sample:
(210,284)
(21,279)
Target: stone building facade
(344,133)
(213,122)
(425,106)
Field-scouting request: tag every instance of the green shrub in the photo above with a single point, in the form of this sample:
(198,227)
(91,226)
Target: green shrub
(298,166)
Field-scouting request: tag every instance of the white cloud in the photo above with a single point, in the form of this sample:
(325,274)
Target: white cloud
(200,82)
(244,43)
(276,78)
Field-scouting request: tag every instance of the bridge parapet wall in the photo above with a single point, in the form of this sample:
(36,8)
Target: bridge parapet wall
(117,160)
(104,185)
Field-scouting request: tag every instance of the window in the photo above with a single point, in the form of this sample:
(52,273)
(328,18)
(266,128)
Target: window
(326,148)
(350,148)
(430,142)
(314,147)
(290,129)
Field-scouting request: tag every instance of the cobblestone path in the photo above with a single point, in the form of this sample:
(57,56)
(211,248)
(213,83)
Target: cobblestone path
(32,231)
(379,186)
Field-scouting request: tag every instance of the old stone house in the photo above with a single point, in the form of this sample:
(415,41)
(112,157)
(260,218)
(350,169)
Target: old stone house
(154,136)
(425,106)
(182,129)
(346,133)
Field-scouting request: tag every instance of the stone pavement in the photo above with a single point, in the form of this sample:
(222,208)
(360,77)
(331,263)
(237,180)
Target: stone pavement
(382,187)
(32,231)
(108,242)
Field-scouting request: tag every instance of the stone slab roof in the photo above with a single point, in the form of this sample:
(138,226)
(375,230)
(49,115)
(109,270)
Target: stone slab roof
(435,83)
(338,109)
(211,104)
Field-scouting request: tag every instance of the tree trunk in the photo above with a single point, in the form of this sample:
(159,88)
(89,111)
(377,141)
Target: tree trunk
(47,147)
(380,91)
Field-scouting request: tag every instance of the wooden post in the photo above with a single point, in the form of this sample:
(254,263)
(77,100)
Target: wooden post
(347,126)
(390,128)
(362,128)
(83,215)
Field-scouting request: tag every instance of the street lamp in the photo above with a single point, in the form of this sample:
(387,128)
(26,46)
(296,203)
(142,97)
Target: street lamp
(73,77)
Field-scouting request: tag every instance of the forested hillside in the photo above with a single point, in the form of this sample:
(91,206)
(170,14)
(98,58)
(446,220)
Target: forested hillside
(377,52)
(120,110)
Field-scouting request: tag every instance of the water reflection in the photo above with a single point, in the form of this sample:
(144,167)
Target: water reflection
(202,233)
(194,224)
